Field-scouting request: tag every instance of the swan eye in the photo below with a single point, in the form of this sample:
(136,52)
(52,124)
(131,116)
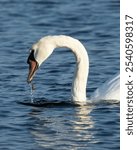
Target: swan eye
(31,57)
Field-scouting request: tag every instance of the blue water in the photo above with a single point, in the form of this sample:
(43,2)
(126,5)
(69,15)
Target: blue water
(58,127)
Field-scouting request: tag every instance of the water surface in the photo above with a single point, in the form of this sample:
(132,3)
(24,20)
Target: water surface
(59,127)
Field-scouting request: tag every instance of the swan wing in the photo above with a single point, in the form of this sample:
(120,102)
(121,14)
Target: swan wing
(110,90)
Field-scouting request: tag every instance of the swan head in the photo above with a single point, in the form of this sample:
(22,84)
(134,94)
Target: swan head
(38,54)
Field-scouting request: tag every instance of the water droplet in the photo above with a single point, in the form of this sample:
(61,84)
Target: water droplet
(32,88)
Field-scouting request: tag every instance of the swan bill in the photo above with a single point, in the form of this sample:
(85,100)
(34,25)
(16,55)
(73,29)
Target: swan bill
(33,66)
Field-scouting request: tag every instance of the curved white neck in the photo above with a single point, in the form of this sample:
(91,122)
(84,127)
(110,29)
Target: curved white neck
(78,91)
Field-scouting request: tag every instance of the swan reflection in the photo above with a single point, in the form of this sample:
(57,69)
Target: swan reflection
(63,127)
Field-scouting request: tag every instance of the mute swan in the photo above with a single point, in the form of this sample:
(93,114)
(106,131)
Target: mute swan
(41,50)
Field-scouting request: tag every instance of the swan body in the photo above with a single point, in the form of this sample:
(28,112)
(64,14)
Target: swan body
(42,49)
(109,90)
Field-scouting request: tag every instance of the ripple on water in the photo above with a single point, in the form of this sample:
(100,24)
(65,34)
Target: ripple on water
(61,125)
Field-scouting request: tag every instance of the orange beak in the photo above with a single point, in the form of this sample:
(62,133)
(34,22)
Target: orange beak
(33,66)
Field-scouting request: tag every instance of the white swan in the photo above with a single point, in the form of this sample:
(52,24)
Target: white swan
(41,50)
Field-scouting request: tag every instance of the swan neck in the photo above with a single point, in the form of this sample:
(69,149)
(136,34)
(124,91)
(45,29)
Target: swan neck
(78,91)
